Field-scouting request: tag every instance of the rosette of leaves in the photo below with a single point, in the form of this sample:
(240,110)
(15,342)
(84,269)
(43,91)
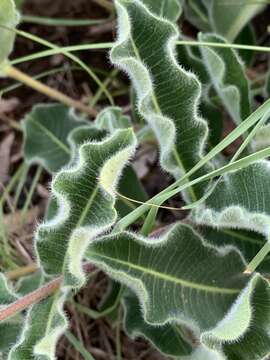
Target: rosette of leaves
(190,295)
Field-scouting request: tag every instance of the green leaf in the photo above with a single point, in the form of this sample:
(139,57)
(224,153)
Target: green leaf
(215,121)
(44,324)
(240,200)
(175,276)
(30,283)
(246,37)
(170,10)
(143,40)
(248,242)
(228,77)
(228,18)
(9,330)
(131,187)
(8,18)
(46,129)
(169,339)
(53,134)
(85,198)
(255,345)
(111,119)
(191,59)
(85,195)
(197,14)
(261,139)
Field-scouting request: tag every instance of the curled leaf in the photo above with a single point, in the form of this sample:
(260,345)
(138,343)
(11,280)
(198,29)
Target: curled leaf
(167,95)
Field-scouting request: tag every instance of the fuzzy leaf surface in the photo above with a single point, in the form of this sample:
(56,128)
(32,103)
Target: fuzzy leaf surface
(248,242)
(53,134)
(8,18)
(111,119)
(46,129)
(170,10)
(85,195)
(261,139)
(255,344)
(196,11)
(167,338)
(10,329)
(85,199)
(226,71)
(167,95)
(175,276)
(240,200)
(229,17)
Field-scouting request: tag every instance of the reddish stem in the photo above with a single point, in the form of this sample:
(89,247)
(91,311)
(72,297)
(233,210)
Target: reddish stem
(35,296)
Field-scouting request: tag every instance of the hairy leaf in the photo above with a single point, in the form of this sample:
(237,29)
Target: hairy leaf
(8,18)
(248,242)
(9,330)
(170,10)
(261,139)
(167,95)
(255,344)
(229,17)
(227,74)
(246,37)
(85,198)
(111,119)
(85,195)
(169,339)
(176,276)
(44,324)
(191,59)
(53,134)
(196,11)
(46,129)
(240,200)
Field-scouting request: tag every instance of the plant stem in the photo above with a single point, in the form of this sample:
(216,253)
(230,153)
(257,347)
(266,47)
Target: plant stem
(31,192)
(256,261)
(41,20)
(36,296)
(30,299)
(21,271)
(78,346)
(44,89)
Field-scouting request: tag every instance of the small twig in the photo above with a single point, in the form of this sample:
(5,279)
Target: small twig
(30,299)
(35,296)
(16,74)
(20,272)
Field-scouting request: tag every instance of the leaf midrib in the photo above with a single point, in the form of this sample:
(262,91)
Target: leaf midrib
(167,277)
(158,110)
(51,136)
